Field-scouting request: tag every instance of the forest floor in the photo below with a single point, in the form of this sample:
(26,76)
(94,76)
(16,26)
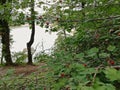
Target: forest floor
(22,69)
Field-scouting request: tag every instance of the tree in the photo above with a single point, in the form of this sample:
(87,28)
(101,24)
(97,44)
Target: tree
(5,38)
(20,18)
(10,16)
(29,44)
(84,17)
(95,43)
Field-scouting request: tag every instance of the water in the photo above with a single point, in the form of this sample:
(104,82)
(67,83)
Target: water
(21,35)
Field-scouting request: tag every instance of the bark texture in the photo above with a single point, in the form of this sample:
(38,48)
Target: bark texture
(29,44)
(5,30)
(6,42)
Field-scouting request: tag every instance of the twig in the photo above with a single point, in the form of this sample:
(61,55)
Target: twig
(116,67)
(97,69)
(91,20)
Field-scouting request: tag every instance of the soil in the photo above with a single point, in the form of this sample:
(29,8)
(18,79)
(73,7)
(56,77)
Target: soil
(21,69)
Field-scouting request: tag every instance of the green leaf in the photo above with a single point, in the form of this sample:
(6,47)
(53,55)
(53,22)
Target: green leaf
(105,87)
(81,55)
(60,84)
(104,55)
(87,88)
(110,87)
(90,70)
(98,85)
(100,88)
(111,48)
(112,74)
(92,52)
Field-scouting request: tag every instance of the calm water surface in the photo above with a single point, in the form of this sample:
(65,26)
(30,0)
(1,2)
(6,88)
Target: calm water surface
(21,36)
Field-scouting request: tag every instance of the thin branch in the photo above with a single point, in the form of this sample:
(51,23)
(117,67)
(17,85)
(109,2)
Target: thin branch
(108,25)
(116,67)
(97,70)
(91,20)
(97,19)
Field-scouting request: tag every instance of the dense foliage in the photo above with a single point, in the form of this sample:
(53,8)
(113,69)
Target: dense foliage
(87,59)
(82,61)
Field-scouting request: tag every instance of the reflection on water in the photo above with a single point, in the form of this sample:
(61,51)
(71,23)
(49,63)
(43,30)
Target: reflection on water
(21,36)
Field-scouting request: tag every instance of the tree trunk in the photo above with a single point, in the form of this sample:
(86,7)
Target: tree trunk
(6,53)
(29,44)
(6,42)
